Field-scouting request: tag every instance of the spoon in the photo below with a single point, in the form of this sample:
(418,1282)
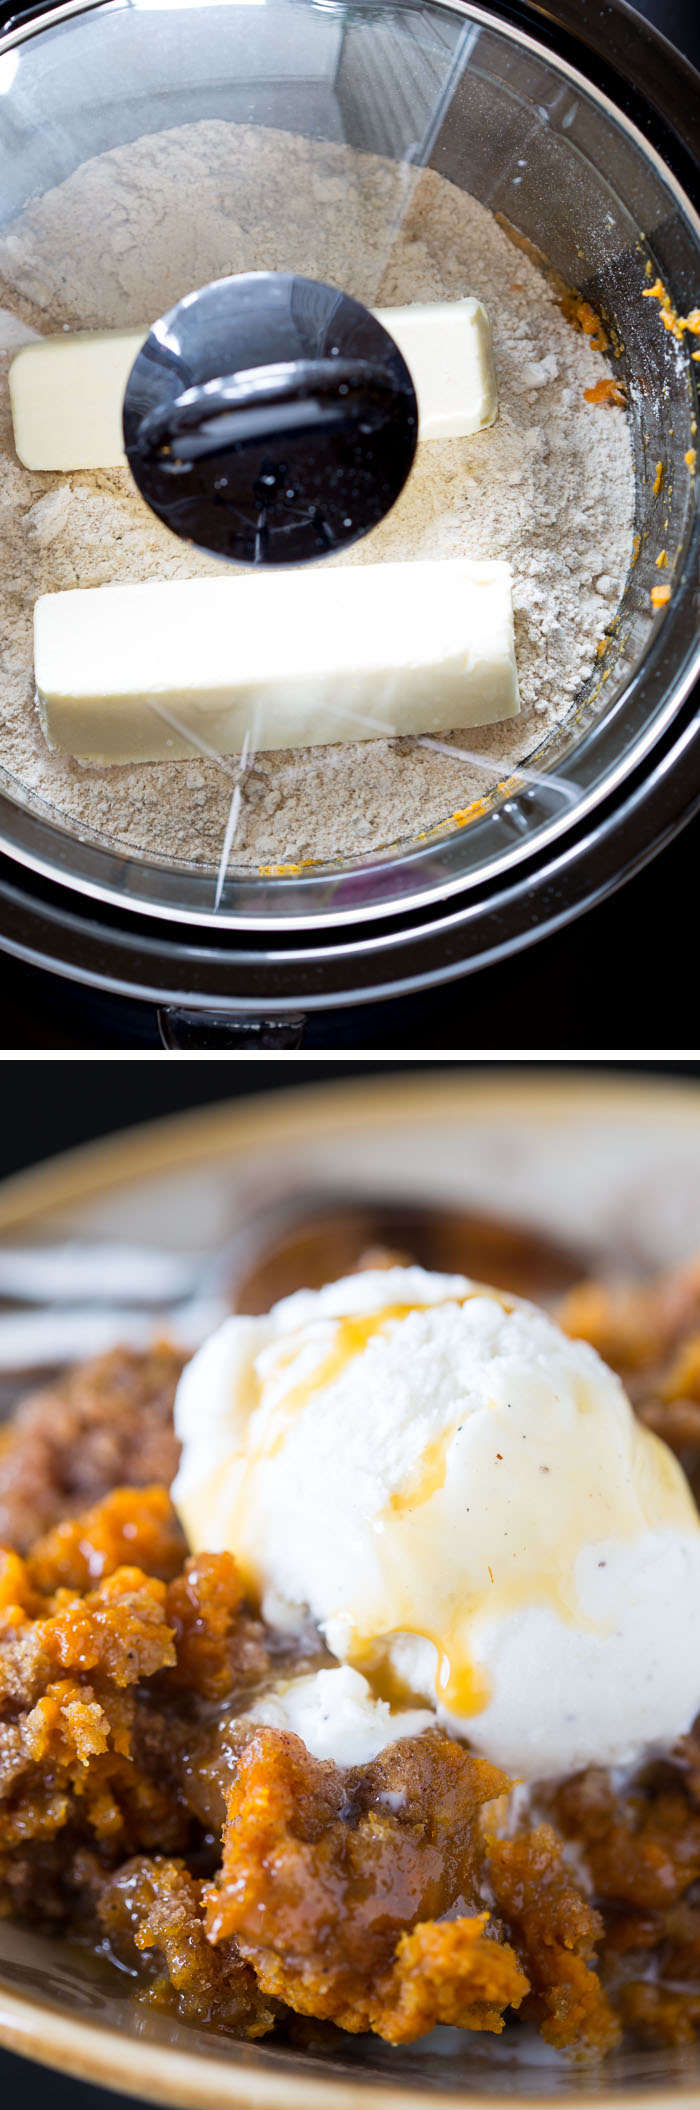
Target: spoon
(299,1242)
(325,1236)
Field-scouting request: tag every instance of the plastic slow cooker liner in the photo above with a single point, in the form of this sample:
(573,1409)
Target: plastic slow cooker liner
(513,125)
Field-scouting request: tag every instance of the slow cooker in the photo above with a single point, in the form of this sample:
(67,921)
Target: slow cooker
(579,128)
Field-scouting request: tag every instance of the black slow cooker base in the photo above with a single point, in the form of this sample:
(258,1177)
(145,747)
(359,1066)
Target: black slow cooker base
(618,978)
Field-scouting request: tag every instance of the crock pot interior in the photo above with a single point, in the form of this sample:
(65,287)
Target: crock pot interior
(485,107)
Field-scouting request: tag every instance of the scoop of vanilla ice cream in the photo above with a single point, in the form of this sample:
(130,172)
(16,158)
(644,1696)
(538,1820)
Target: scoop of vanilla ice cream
(337,1716)
(462,1499)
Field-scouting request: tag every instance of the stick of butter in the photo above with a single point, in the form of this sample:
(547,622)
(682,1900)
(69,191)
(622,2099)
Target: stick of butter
(299,658)
(449,354)
(67,392)
(66,396)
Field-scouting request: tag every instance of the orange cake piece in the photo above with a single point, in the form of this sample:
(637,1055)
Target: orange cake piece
(324,1870)
(449,1971)
(556,1933)
(131,1527)
(219,1647)
(151,1913)
(98,1687)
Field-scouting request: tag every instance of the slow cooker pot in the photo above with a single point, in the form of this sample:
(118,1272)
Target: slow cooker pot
(580,128)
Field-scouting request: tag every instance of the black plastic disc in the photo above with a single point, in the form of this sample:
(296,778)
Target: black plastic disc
(270,419)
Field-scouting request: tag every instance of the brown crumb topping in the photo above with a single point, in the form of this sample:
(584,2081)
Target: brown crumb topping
(107,1423)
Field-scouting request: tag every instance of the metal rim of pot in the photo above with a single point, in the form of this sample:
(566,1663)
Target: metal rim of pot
(132,959)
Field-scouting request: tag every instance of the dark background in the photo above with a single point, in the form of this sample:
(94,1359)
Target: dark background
(579,988)
(623,975)
(46,1110)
